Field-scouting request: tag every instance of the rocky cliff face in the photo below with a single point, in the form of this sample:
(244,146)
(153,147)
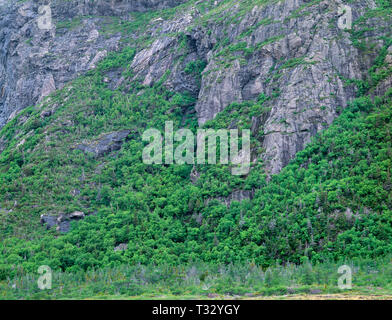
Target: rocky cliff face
(289,51)
(38,56)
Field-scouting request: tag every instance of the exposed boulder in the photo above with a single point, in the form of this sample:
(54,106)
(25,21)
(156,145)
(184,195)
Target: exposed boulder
(61,222)
(237,195)
(106,143)
(77,215)
(121,247)
(49,221)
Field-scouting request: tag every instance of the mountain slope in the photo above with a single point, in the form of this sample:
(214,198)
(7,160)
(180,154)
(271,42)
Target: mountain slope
(332,200)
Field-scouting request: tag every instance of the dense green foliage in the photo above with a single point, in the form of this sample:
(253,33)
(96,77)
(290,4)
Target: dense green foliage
(300,212)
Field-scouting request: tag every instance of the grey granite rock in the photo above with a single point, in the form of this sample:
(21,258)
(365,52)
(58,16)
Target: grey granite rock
(34,61)
(299,58)
(105,144)
(237,195)
(61,222)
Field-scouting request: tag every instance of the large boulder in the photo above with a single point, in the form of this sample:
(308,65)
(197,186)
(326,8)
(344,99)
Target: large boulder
(49,221)
(105,144)
(121,247)
(61,222)
(236,195)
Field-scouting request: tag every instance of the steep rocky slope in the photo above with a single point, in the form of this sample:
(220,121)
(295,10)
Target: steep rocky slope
(290,51)
(39,56)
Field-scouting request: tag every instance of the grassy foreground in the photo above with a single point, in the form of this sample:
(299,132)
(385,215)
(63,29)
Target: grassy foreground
(336,296)
(371,279)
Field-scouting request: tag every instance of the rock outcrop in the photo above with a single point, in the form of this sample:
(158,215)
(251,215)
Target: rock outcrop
(37,59)
(107,143)
(121,247)
(301,63)
(61,222)
(237,195)
(291,51)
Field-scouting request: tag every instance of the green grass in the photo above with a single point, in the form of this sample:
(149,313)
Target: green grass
(202,281)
